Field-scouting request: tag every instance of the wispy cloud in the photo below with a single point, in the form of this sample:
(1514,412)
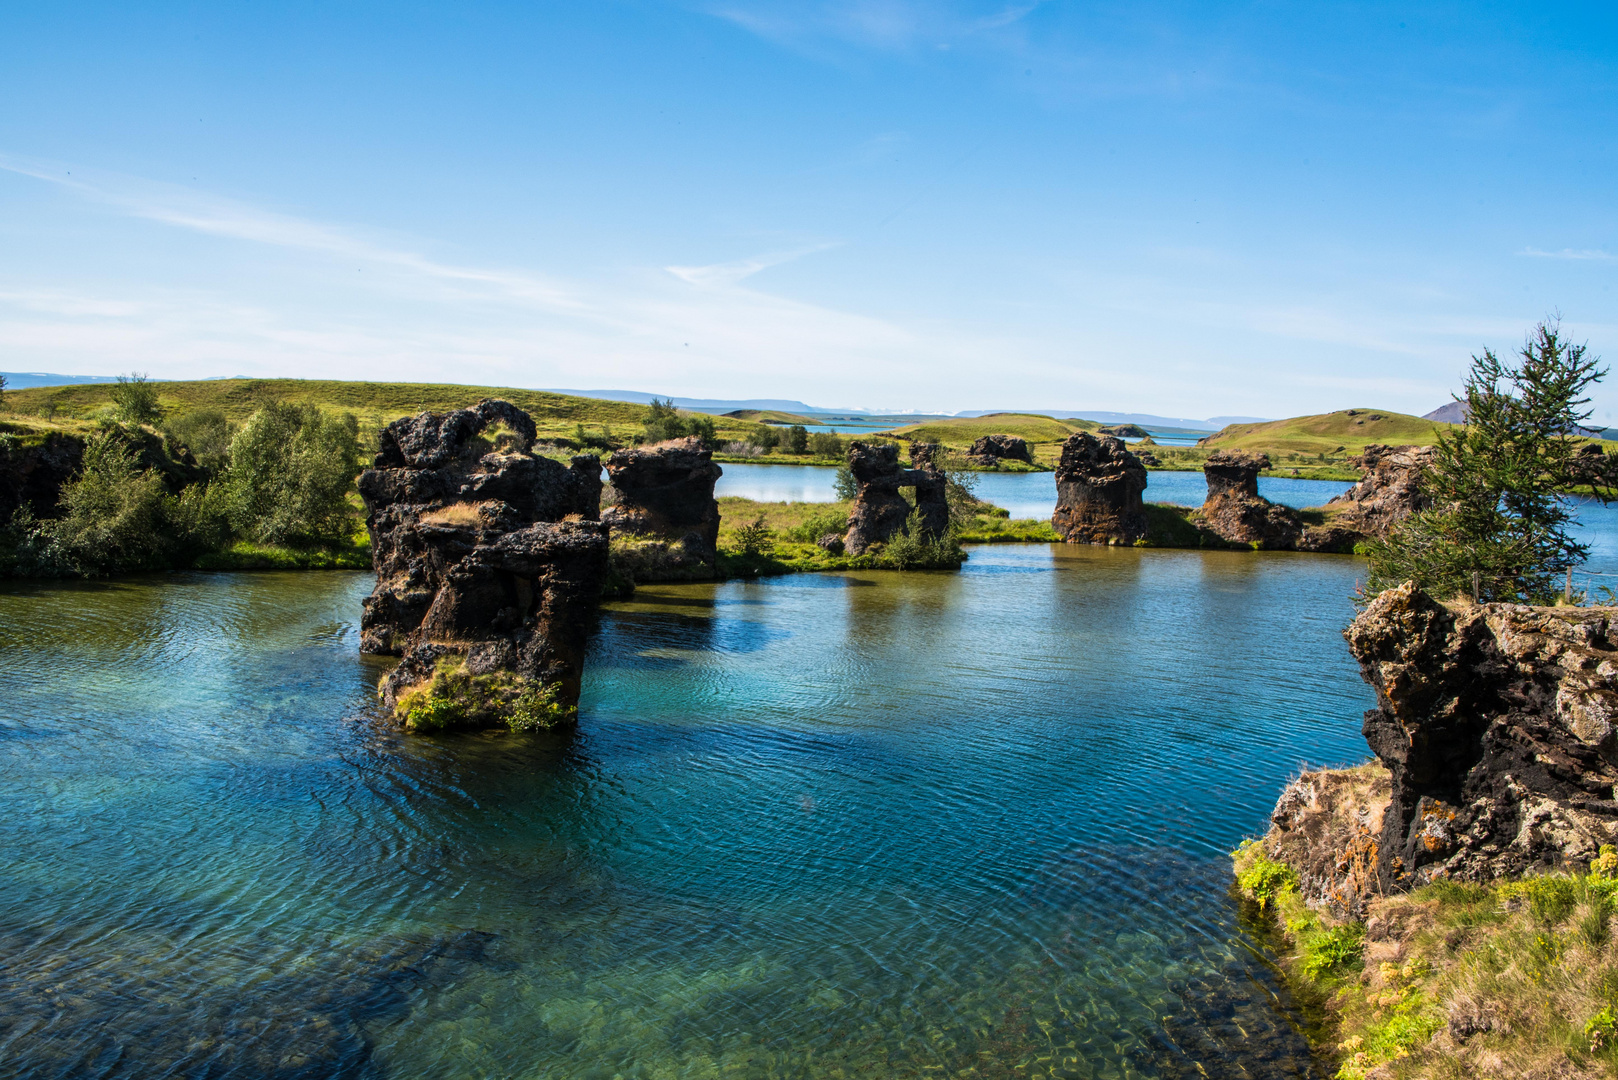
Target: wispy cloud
(1576,254)
(880,24)
(719,275)
(202,212)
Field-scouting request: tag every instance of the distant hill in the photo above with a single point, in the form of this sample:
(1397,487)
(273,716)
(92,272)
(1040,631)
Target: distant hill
(1452,413)
(1348,431)
(375,403)
(1109,418)
(773,416)
(963,431)
(24,380)
(707,405)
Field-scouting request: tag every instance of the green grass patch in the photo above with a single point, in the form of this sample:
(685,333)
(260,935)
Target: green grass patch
(246,555)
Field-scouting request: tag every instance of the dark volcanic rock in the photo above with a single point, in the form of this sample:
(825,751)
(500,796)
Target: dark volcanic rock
(665,497)
(993,449)
(1098,492)
(1236,512)
(1496,722)
(494,557)
(1389,492)
(880,510)
(33,476)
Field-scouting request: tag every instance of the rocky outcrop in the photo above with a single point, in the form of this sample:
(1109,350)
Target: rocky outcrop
(489,560)
(1389,492)
(1235,511)
(665,500)
(991,450)
(1098,492)
(33,476)
(1496,725)
(880,509)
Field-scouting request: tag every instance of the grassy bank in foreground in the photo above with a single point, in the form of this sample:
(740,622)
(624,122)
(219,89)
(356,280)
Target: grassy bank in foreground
(1507,981)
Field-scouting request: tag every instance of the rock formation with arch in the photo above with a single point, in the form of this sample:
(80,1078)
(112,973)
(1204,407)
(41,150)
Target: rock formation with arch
(880,509)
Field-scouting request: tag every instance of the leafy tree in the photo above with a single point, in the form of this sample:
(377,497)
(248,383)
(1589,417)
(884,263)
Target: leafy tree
(136,399)
(206,434)
(768,437)
(291,469)
(845,485)
(117,517)
(1496,509)
(2,391)
(825,444)
(797,439)
(663,422)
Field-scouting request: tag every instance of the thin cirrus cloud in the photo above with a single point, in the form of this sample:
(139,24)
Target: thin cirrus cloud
(881,24)
(719,275)
(1573,254)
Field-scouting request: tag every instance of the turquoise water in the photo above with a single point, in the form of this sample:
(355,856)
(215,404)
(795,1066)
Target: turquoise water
(822,826)
(1025,495)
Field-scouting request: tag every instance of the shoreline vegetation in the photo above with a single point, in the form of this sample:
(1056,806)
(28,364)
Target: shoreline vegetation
(1446,909)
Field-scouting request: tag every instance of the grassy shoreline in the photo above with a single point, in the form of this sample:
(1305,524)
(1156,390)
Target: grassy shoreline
(1516,978)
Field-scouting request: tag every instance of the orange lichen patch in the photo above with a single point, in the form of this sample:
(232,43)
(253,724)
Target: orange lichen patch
(1328,827)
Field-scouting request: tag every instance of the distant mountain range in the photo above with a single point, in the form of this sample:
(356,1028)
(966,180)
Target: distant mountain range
(1213,423)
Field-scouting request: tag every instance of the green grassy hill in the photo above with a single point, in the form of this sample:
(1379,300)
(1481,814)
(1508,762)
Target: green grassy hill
(375,403)
(963,431)
(1336,433)
(772,416)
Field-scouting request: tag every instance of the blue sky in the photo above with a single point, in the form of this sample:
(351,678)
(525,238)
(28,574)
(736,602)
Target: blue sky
(1186,209)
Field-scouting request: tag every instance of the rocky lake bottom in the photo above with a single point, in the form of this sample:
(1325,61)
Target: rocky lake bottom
(841,825)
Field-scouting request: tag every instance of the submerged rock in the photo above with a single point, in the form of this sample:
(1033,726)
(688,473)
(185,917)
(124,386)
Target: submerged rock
(1496,725)
(993,449)
(1235,511)
(1098,492)
(489,565)
(880,509)
(1389,492)
(666,502)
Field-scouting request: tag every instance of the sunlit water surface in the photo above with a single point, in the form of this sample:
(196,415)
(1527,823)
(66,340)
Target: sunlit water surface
(855,825)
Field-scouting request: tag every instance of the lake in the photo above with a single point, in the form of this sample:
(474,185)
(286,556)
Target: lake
(1025,495)
(833,825)
(842,825)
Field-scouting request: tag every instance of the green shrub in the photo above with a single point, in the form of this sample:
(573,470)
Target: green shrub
(1263,879)
(291,469)
(536,709)
(135,399)
(915,548)
(1600,1029)
(797,439)
(1334,950)
(755,538)
(118,518)
(1550,899)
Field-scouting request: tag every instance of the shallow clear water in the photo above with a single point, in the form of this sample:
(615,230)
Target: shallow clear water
(820,826)
(1025,495)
